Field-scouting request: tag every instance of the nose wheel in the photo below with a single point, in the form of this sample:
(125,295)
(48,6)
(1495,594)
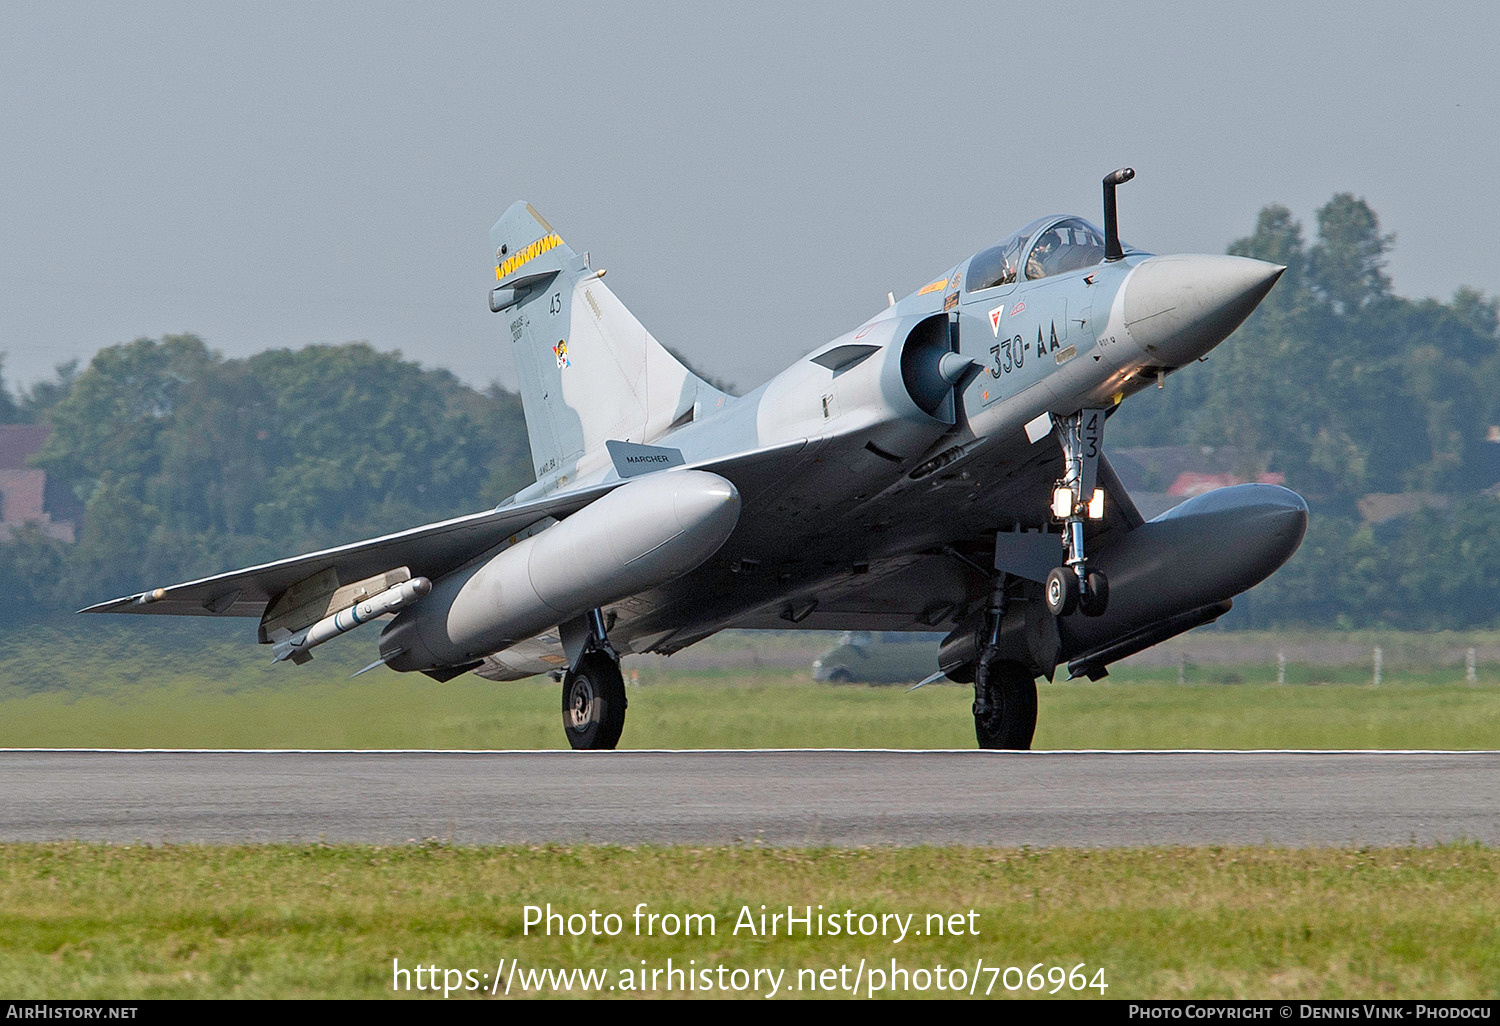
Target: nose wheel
(1076,499)
(1062,591)
(1064,596)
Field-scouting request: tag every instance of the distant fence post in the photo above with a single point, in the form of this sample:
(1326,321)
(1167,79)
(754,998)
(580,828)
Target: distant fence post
(1471,667)
(1379,659)
(1281,667)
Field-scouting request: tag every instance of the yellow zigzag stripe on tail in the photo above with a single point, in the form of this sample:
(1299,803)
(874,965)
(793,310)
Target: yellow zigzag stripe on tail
(532,251)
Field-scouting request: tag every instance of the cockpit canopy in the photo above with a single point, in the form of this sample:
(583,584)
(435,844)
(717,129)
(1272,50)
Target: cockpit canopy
(1051,245)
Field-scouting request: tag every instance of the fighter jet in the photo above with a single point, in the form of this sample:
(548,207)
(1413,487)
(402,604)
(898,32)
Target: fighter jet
(940,467)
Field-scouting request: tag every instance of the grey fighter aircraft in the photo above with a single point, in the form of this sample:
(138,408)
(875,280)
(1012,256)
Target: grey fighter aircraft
(939,468)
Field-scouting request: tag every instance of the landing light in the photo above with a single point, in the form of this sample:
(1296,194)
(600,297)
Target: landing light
(1062,503)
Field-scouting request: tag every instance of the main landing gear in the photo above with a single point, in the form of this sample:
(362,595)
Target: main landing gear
(593,696)
(1075,499)
(1004,690)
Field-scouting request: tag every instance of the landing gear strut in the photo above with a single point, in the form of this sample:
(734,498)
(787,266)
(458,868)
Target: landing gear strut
(1004,691)
(1073,585)
(593,698)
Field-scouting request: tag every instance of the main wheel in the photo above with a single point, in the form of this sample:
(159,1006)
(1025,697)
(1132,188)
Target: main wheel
(1062,591)
(1011,719)
(1097,599)
(593,702)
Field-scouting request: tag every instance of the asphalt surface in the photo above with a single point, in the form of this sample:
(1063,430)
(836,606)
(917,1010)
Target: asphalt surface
(1081,799)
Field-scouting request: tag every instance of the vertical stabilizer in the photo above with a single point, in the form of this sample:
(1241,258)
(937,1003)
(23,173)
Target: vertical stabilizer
(590,372)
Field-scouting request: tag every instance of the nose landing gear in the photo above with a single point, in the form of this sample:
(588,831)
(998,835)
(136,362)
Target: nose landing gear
(1075,499)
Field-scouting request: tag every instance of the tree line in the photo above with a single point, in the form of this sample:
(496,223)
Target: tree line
(1348,389)
(182,463)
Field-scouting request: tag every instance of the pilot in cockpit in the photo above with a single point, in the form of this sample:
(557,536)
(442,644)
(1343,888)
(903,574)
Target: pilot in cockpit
(1041,254)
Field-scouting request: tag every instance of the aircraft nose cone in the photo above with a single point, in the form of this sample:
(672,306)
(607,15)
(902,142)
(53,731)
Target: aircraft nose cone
(1179,307)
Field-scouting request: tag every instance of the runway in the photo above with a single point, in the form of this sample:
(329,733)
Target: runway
(800,798)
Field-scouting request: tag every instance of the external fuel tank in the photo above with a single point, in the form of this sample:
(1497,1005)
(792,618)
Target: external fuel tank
(646,532)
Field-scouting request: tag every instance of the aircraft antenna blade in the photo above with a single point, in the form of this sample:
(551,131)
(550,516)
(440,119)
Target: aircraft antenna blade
(923,683)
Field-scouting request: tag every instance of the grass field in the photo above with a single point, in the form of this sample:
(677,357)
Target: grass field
(97,682)
(749,708)
(96,921)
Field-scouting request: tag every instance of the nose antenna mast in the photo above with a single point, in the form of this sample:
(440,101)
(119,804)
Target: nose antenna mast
(1112,250)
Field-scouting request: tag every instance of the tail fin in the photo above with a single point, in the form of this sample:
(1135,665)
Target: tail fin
(590,372)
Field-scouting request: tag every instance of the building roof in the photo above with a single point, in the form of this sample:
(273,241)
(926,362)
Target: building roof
(1157,468)
(1378,507)
(18,441)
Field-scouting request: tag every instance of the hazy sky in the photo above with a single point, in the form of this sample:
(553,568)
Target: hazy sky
(755,181)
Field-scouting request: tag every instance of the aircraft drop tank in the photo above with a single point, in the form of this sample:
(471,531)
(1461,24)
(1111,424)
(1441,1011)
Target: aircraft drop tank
(642,534)
(1204,551)
(1195,556)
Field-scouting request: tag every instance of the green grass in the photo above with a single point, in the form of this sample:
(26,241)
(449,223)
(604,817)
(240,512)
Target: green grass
(199,684)
(93,921)
(748,709)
